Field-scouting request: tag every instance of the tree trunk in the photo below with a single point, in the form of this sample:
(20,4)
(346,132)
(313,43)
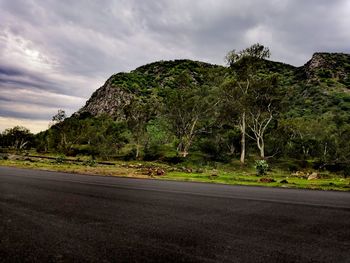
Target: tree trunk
(243,131)
(184,153)
(261,145)
(325,150)
(182,149)
(137,154)
(262,151)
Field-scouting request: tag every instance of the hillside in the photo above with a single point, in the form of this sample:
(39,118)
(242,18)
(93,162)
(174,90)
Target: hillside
(329,67)
(322,80)
(192,110)
(321,86)
(117,92)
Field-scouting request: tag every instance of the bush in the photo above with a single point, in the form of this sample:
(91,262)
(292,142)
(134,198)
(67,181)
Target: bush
(174,159)
(153,153)
(4,157)
(60,159)
(346,171)
(84,149)
(91,162)
(261,167)
(130,156)
(293,167)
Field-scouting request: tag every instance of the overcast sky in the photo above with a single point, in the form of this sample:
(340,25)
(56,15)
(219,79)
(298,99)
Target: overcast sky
(54,54)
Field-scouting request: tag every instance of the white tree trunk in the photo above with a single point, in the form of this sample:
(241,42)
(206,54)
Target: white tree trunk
(243,131)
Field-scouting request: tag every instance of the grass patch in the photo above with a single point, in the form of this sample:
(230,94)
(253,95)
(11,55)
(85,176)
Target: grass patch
(222,175)
(105,170)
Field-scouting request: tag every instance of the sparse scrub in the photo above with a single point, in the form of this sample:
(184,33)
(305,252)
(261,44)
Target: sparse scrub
(261,167)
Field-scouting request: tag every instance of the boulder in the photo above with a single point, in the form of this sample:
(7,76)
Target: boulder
(160,172)
(313,176)
(187,170)
(150,171)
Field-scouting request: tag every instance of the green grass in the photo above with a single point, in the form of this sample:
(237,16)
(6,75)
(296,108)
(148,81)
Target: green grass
(221,175)
(244,178)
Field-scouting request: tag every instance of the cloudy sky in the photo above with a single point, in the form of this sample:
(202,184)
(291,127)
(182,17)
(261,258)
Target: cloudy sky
(55,53)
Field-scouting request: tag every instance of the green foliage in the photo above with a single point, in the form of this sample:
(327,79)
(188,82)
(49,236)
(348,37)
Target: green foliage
(133,82)
(220,145)
(158,132)
(189,110)
(90,136)
(3,156)
(59,116)
(195,108)
(256,51)
(61,159)
(18,138)
(91,162)
(153,152)
(261,167)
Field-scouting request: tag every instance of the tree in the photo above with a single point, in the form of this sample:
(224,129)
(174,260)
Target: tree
(263,105)
(188,108)
(59,116)
(58,120)
(112,137)
(95,136)
(311,137)
(139,112)
(17,137)
(244,68)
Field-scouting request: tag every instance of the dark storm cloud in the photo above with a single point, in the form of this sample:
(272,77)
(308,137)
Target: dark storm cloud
(15,112)
(292,29)
(54,54)
(17,78)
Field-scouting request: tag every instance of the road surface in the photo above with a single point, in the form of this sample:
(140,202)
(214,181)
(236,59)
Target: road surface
(59,217)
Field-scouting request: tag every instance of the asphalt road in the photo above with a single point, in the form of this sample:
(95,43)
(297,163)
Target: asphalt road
(57,217)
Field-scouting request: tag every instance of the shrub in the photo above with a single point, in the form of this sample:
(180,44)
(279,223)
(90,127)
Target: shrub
(91,162)
(346,171)
(60,159)
(174,159)
(152,153)
(130,156)
(4,157)
(293,167)
(261,167)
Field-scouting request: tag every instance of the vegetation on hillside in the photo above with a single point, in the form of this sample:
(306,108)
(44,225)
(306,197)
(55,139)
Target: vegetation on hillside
(192,113)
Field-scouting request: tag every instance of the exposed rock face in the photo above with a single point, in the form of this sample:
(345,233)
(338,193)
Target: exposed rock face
(110,100)
(316,62)
(329,65)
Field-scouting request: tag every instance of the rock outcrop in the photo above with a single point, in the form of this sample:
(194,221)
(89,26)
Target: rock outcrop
(328,65)
(110,100)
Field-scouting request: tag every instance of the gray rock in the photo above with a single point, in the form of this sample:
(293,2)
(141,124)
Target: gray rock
(110,100)
(313,176)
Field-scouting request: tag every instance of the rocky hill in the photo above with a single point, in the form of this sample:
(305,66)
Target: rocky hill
(156,110)
(324,76)
(119,89)
(334,66)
